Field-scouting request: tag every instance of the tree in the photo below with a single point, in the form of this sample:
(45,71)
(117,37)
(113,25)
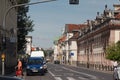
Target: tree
(113,52)
(25,24)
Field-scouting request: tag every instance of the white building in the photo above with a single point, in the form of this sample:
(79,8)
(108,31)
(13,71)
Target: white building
(28,44)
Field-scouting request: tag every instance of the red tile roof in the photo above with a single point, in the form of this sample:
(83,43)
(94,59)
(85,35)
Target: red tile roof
(71,27)
(75,36)
(116,5)
(62,39)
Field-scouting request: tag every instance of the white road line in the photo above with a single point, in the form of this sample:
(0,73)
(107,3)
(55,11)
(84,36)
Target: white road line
(70,78)
(92,76)
(57,78)
(53,74)
(81,78)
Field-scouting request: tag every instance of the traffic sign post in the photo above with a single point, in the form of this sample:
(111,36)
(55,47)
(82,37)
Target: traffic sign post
(71,54)
(3,64)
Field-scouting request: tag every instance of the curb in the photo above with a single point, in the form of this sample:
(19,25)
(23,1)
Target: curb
(103,71)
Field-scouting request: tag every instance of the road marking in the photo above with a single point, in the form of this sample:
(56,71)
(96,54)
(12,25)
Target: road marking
(70,78)
(53,74)
(92,76)
(57,78)
(81,78)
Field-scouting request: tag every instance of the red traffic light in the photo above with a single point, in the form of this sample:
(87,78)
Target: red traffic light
(73,1)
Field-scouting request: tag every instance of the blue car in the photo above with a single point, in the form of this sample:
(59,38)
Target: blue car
(35,65)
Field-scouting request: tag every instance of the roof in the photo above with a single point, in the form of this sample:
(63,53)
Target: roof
(63,38)
(75,36)
(116,5)
(70,27)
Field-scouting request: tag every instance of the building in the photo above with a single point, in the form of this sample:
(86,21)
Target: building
(28,44)
(68,45)
(94,39)
(85,44)
(8,33)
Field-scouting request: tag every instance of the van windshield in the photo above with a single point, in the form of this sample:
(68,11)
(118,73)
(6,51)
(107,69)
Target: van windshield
(35,61)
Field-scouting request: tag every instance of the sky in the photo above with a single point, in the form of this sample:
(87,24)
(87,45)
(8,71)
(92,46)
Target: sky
(50,18)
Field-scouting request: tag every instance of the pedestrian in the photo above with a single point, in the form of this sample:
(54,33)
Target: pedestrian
(19,65)
(19,68)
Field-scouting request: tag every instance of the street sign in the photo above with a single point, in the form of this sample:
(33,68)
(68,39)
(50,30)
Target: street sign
(72,54)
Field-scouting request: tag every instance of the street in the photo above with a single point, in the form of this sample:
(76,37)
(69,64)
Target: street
(65,72)
(63,37)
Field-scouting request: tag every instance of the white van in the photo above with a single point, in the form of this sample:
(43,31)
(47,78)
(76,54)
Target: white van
(37,54)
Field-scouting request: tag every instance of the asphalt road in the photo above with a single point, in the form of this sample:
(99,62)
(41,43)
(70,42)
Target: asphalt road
(64,72)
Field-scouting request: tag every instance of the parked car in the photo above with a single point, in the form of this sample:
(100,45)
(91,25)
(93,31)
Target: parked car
(35,65)
(56,62)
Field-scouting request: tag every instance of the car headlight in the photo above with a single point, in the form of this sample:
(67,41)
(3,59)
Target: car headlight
(41,67)
(45,66)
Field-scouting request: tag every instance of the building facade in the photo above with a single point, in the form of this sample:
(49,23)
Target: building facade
(95,38)
(8,32)
(85,44)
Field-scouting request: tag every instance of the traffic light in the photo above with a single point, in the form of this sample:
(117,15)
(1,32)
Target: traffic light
(73,1)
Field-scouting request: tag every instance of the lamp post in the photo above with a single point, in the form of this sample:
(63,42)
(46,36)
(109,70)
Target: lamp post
(18,5)
(4,20)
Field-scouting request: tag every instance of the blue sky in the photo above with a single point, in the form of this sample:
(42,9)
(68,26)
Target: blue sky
(50,17)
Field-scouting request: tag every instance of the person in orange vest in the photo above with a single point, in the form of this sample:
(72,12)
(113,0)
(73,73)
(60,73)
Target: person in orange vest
(19,68)
(19,65)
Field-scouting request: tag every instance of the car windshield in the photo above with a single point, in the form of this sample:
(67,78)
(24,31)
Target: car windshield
(35,61)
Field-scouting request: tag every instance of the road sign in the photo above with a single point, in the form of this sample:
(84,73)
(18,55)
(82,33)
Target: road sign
(72,54)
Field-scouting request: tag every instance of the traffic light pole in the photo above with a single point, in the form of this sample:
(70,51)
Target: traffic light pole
(4,22)
(18,5)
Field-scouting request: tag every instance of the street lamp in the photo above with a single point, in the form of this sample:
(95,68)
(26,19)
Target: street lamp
(4,20)
(18,5)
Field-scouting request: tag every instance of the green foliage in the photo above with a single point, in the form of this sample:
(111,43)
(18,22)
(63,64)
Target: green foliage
(113,52)
(24,24)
